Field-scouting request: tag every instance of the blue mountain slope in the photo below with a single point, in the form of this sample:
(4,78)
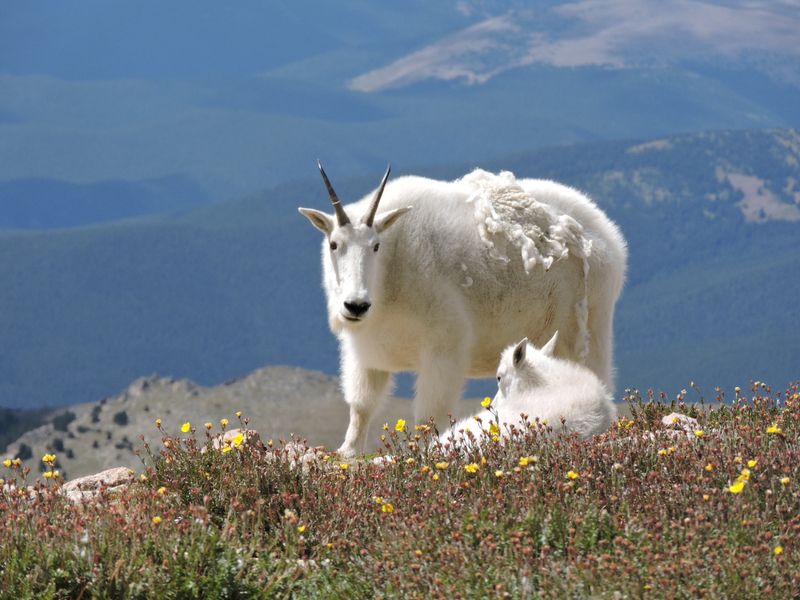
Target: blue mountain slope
(224,289)
(240,97)
(49,204)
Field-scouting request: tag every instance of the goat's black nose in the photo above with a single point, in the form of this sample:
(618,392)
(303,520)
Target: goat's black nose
(357,308)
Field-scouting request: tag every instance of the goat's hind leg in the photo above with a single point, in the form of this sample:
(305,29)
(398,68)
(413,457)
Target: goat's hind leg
(364,390)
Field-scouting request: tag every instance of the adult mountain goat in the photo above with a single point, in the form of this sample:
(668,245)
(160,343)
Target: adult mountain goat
(439,277)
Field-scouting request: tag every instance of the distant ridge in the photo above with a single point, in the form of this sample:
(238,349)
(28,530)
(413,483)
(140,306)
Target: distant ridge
(228,288)
(276,401)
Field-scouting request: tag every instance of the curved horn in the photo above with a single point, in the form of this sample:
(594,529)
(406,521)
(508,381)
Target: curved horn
(373,208)
(341,216)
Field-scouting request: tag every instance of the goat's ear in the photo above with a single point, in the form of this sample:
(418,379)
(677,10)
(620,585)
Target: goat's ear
(519,352)
(318,219)
(384,220)
(550,347)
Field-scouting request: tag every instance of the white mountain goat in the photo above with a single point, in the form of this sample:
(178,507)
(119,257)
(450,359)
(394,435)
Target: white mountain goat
(447,274)
(535,383)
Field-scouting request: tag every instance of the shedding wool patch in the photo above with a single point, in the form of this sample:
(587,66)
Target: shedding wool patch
(510,220)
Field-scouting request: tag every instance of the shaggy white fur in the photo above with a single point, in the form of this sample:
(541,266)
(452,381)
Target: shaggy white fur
(534,383)
(450,273)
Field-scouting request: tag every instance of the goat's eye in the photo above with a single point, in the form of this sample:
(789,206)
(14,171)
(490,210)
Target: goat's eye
(334,245)
(498,378)
(375,248)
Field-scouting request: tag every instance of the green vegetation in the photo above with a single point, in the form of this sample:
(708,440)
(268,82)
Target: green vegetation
(15,422)
(634,512)
(62,420)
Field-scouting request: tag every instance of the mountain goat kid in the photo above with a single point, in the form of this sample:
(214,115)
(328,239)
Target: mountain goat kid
(535,383)
(447,274)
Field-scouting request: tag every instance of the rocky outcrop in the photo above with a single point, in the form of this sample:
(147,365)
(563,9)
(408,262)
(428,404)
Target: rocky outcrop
(86,488)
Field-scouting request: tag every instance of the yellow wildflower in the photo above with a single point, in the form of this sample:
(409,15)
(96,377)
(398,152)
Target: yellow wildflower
(209,425)
(224,423)
(17,462)
(425,469)
(706,497)
(699,433)
(400,426)
(386,427)
(483,460)
(442,465)
(471,468)
(387,507)
(300,528)
(752,463)
(785,480)
(158,422)
(709,467)
(778,550)
(50,474)
(226,449)
(525,460)
(774,429)
(737,459)
(162,490)
(238,414)
(499,473)
(49,458)
(572,475)
(410,461)
(418,552)
(7,462)
(421,428)
(662,452)
(344,466)
(238,439)
(486,402)
(737,487)
(156,520)
(186,427)
(436,477)
(142,477)
(494,429)
(378,499)
(744,475)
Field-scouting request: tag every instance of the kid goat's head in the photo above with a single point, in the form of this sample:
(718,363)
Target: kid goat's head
(521,366)
(353,248)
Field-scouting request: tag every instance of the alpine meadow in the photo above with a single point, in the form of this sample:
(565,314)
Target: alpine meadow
(552,353)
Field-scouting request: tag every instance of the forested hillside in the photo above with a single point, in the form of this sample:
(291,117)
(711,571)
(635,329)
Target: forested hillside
(711,220)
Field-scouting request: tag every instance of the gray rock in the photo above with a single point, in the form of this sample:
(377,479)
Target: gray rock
(85,488)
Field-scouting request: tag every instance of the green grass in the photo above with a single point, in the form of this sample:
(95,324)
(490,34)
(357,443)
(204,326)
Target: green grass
(643,516)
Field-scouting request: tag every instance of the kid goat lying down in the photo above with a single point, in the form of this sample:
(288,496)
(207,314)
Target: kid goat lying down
(535,383)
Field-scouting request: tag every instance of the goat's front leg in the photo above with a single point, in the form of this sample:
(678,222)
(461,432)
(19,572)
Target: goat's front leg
(440,381)
(364,390)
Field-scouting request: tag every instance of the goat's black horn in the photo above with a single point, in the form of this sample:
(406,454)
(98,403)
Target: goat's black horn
(341,216)
(373,207)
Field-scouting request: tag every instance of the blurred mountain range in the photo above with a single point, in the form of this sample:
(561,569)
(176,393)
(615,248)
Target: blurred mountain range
(213,293)
(236,98)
